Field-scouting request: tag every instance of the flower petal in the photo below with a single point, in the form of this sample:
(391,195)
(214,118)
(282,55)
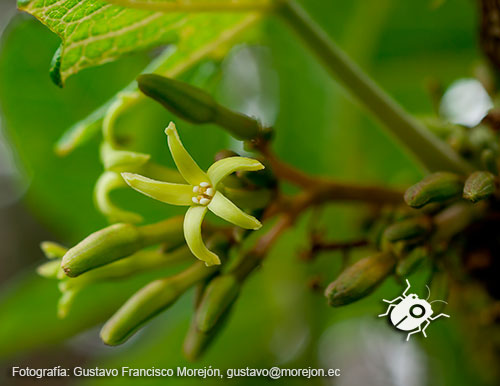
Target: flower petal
(107,182)
(186,165)
(192,233)
(224,208)
(174,194)
(226,166)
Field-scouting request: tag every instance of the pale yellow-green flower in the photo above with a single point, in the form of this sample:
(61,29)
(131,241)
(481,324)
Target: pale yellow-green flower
(201,193)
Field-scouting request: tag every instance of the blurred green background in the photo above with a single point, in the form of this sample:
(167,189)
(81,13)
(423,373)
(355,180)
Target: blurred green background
(278,320)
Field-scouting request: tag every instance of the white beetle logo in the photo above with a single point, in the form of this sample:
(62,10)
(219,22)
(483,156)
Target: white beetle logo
(411,313)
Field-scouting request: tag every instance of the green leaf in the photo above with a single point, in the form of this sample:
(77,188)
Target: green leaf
(95,32)
(197,5)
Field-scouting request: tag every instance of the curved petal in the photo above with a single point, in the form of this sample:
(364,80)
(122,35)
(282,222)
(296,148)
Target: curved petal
(107,182)
(174,194)
(186,165)
(224,208)
(121,160)
(226,166)
(192,233)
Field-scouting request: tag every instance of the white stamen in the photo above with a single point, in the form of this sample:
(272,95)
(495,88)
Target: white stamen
(210,192)
(196,189)
(195,200)
(204,184)
(204,201)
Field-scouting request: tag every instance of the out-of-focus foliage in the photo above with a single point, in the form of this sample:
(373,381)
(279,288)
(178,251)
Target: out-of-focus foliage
(404,45)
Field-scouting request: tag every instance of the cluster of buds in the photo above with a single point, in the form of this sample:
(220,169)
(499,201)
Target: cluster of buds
(124,249)
(403,236)
(441,219)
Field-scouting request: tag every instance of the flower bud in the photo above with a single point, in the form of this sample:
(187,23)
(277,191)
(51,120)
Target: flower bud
(64,304)
(408,229)
(50,269)
(197,342)
(360,279)
(102,247)
(410,262)
(149,301)
(118,241)
(479,186)
(53,250)
(436,187)
(217,298)
(195,105)
(141,261)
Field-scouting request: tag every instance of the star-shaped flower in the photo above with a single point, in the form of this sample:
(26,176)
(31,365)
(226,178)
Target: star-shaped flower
(202,193)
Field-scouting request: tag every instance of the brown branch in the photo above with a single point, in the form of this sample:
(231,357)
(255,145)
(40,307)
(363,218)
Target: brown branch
(326,189)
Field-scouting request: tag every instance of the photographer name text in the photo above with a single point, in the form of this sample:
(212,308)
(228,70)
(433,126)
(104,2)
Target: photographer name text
(203,372)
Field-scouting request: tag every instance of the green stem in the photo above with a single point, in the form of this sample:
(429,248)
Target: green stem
(432,153)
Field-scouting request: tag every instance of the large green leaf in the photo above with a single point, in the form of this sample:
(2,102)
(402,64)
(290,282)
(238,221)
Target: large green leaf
(94,32)
(196,5)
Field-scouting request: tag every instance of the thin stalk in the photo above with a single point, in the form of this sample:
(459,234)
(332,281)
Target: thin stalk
(432,153)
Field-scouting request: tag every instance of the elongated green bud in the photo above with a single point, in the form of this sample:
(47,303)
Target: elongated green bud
(479,186)
(411,262)
(436,187)
(101,248)
(360,279)
(140,261)
(50,269)
(64,304)
(197,342)
(408,229)
(195,105)
(149,301)
(217,298)
(53,250)
(118,241)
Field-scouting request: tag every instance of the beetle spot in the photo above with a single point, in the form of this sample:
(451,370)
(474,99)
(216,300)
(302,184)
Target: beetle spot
(417,311)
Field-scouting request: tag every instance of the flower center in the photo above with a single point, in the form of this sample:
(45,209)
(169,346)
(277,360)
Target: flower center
(204,192)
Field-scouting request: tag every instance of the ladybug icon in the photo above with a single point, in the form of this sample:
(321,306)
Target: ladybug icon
(411,313)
